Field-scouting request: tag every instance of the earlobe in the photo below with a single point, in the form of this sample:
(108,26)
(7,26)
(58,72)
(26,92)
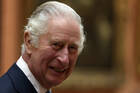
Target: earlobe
(27,42)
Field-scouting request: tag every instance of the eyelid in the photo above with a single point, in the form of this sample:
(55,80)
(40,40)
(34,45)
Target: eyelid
(57,45)
(73,48)
(75,45)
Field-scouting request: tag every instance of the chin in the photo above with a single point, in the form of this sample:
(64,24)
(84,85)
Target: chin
(54,82)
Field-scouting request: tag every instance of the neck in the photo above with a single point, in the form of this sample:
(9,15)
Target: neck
(26,57)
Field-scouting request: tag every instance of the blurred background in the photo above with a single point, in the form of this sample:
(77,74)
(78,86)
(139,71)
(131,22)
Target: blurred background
(110,62)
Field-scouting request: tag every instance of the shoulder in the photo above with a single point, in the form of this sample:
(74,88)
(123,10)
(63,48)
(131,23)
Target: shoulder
(15,80)
(6,85)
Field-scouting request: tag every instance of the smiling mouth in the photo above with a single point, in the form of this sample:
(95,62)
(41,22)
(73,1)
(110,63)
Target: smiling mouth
(58,70)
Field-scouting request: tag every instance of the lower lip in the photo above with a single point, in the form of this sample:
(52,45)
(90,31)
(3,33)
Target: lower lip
(57,73)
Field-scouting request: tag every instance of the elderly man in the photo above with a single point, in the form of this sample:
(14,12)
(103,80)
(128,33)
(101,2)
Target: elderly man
(53,39)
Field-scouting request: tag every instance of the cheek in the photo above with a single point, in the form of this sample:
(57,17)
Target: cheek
(46,54)
(73,61)
(73,58)
(42,57)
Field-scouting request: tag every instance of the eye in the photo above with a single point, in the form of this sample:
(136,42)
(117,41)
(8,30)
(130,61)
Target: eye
(57,45)
(73,48)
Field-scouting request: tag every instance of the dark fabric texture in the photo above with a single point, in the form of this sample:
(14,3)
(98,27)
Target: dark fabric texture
(15,81)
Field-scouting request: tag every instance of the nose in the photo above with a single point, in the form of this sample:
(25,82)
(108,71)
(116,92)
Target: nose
(64,57)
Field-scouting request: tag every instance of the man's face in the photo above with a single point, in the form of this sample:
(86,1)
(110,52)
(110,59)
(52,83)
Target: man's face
(54,59)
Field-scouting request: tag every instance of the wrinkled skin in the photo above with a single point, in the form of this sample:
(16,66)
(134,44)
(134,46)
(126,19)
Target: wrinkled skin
(54,59)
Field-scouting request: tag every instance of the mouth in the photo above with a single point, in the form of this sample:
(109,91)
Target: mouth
(58,69)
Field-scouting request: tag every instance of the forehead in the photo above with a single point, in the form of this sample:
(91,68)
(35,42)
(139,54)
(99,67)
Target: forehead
(68,24)
(64,29)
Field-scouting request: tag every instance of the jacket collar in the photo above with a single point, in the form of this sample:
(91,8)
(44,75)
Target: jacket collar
(20,81)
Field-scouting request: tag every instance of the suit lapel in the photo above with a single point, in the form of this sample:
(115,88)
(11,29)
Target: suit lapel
(20,81)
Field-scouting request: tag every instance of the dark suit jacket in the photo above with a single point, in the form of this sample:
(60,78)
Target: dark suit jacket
(15,81)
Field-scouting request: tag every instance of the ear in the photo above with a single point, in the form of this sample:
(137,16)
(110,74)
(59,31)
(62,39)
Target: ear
(27,42)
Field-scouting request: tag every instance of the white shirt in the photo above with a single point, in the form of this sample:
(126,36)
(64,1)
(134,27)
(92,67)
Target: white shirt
(24,67)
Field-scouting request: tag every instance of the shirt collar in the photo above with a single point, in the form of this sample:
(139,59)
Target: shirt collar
(24,67)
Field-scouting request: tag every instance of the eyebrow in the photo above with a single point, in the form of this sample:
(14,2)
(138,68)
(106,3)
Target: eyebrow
(57,40)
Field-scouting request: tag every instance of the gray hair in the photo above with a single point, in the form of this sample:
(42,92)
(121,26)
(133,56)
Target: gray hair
(38,21)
